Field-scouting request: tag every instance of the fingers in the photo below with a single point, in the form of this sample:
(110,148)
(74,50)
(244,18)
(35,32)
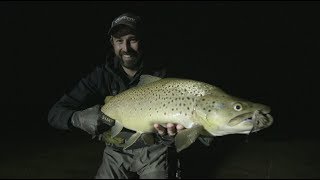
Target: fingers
(171,128)
(179,127)
(161,130)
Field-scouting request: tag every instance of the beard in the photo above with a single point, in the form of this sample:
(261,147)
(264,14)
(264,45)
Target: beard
(133,62)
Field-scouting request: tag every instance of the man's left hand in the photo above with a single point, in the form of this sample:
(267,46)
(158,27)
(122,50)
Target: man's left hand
(170,129)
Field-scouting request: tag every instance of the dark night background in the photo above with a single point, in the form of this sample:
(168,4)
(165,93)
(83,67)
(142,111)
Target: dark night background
(262,51)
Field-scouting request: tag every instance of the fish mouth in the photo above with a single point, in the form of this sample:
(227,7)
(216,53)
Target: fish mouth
(259,119)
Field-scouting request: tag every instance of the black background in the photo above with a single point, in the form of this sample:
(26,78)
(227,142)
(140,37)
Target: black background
(262,51)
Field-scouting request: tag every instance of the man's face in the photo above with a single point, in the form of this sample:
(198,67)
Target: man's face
(127,49)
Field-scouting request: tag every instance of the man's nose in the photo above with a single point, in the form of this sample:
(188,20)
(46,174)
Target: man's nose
(126,46)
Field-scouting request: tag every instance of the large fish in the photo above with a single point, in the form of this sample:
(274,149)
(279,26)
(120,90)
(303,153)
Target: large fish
(203,109)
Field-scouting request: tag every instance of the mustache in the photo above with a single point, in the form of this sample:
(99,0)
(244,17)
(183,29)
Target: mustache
(131,53)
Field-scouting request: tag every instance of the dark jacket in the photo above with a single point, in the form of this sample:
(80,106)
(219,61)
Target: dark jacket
(107,79)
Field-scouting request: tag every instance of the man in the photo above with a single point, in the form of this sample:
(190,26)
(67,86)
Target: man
(80,107)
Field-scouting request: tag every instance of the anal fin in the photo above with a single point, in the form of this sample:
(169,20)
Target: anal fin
(116,129)
(186,137)
(132,140)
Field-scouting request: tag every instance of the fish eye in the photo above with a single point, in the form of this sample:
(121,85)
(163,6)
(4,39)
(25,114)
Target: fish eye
(237,107)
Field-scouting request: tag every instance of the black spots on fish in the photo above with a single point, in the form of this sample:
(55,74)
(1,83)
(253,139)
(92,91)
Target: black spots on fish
(141,109)
(213,102)
(203,99)
(209,110)
(204,109)
(172,100)
(165,113)
(164,105)
(185,114)
(149,109)
(172,94)
(184,104)
(188,108)
(177,109)
(172,109)
(188,98)
(179,104)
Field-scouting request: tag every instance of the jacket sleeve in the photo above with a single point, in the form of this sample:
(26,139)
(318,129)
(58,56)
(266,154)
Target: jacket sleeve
(85,94)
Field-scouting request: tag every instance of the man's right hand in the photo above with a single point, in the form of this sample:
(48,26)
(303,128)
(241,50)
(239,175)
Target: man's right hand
(91,120)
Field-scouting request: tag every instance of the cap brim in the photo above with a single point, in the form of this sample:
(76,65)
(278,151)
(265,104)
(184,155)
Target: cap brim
(116,27)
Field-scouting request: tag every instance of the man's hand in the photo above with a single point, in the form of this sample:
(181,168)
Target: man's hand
(91,120)
(170,129)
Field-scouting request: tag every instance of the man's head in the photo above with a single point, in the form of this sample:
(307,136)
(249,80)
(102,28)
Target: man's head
(125,39)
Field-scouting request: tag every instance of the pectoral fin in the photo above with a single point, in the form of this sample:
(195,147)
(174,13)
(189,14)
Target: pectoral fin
(115,130)
(132,140)
(186,137)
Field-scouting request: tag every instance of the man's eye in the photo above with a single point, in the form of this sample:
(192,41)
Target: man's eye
(119,41)
(133,40)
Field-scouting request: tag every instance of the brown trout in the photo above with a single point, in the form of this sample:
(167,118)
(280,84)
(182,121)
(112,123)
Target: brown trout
(203,109)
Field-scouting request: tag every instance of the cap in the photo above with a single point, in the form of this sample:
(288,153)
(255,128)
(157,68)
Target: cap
(127,19)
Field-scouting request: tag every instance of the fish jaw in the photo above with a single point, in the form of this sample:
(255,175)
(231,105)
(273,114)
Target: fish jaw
(256,120)
(222,122)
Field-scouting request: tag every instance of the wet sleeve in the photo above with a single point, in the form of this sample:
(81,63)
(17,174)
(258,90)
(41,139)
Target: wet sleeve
(85,94)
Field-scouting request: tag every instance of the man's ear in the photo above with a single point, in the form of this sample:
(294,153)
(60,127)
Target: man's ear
(111,41)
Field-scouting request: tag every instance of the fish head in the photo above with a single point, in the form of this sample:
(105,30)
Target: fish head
(225,114)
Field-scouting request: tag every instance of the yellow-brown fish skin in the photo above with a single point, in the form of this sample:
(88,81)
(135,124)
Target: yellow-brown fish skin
(187,102)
